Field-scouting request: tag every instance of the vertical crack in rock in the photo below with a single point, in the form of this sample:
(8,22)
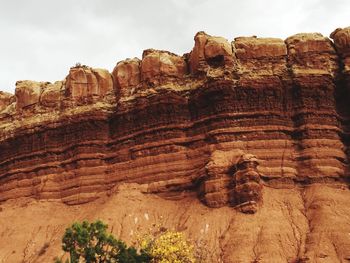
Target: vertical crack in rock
(303,211)
(283,157)
(297,234)
(337,253)
(183,219)
(256,245)
(221,238)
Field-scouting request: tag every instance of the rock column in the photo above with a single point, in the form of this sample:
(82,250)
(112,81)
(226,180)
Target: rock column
(247,185)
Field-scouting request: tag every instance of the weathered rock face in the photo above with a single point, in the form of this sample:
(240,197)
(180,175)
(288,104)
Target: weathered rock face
(127,76)
(27,93)
(182,127)
(247,184)
(5,100)
(341,39)
(84,83)
(161,67)
(52,95)
(210,53)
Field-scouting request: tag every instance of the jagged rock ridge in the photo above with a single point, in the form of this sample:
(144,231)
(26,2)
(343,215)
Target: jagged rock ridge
(178,125)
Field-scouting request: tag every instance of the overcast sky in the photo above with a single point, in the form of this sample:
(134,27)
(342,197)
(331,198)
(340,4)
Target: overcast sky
(41,39)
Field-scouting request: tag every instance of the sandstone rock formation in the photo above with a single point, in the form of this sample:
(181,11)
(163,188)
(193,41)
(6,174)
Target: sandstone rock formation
(158,134)
(160,67)
(127,76)
(210,53)
(247,194)
(27,93)
(84,83)
(5,100)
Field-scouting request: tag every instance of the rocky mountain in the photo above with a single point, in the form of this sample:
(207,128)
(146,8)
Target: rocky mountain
(243,145)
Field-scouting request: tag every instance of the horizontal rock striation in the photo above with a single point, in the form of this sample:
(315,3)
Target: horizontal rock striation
(180,123)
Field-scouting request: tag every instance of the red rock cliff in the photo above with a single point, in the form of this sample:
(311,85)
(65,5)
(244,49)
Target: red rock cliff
(199,125)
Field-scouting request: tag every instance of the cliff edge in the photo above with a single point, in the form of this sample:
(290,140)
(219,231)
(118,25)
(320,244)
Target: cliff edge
(244,145)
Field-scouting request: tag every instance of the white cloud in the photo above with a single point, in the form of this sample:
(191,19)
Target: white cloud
(41,39)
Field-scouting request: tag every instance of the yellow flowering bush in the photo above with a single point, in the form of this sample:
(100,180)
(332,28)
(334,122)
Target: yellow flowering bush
(169,247)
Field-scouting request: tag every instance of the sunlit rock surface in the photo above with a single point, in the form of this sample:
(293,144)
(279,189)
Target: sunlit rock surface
(163,138)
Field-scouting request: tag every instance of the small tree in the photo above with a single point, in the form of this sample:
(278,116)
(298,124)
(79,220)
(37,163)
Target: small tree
(91,243)
(169,247)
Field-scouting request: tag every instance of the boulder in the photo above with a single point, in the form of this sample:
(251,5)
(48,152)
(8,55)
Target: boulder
(127,76)
(210,52)
(83,82)
(341,39)
(51,95)
(255,48)
(104,81)
(27,93)
(160,67)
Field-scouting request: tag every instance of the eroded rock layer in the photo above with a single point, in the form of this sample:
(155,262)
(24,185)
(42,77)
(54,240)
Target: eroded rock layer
(258,124)
(180,123)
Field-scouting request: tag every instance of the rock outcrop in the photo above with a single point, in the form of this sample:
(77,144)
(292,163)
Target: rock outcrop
(158,120)
(127,76)
(5,100)
(247,194)
(84,83)
(194,127)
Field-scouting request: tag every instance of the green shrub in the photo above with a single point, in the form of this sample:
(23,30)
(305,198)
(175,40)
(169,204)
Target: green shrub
(90,243)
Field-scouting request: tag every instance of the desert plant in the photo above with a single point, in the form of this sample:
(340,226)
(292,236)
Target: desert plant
(90,243)
(168,247)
